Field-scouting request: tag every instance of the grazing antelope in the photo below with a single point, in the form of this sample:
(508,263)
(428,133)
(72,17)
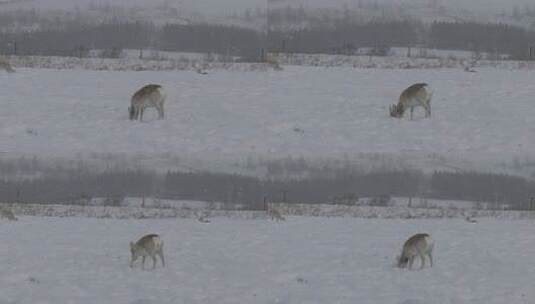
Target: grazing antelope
(4,65)
(7,213)
(275,215)
(418,245)
(416,95)
(470,219)
(469,69)
(149,245)
(203,218)
(151,95)
(201,71)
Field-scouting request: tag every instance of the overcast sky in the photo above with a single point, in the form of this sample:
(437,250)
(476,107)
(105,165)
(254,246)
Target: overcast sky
(225,7)
(207,7)
(476,5)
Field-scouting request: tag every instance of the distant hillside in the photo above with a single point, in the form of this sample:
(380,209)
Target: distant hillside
(516,12)
(28,15)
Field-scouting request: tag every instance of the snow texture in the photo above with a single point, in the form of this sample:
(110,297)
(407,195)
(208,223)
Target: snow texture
(51,210)
(208,211)
(301,260)
(482,120)
(154,61)
(421,58)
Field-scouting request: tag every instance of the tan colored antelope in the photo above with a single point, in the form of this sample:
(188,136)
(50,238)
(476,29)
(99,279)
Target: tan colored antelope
(416,95)
(7,213)
(151,95)
(275,215)
(203,218)
(149,245)
(418,245)
(470,219)
(4,65)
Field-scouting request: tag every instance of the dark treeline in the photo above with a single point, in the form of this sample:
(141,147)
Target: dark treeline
(77,39)
(481,187)
(73,187)
(252,191)
(21,18)
(69,41)
(210,38)
(492,38)
(341,37)
(346,37)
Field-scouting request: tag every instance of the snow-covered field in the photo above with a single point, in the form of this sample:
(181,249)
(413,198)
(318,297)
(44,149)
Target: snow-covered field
(480,120)
(211,211)
(398,59)
(152,61)
(302,260)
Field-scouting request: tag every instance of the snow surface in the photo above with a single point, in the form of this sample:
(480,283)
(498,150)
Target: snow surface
(302,260)
(421,58)
(480,120)
(51,210)
(213,210)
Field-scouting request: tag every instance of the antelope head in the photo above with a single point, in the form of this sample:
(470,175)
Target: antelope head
(396,110)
